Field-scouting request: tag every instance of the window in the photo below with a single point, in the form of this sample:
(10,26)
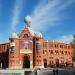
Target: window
(50,45)
(25,36)
(65,46)
(56,51)
(12,48)
(61,46)
(68,47)
(62,57)
(62,61)
(37,56)
(68,52)
(65,52)
(51,62)
(4,47)
(56,46)
(50,57)
(37,46)
(43,51)
(51,51)
(45,44)
(62,52)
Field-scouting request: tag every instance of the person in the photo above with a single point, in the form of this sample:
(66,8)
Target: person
(38,71)
(53,71)
(57,71)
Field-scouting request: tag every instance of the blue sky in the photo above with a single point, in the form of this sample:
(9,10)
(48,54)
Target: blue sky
(55,19)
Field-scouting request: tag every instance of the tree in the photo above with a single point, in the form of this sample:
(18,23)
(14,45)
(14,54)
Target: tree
(73,46)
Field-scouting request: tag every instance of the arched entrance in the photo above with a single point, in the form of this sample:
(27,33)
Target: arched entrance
(26,61)
(45,63)
(57,62)
(3,62)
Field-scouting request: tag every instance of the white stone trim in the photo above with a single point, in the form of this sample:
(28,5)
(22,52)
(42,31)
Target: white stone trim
(39,66)
(26,52)
(31,66)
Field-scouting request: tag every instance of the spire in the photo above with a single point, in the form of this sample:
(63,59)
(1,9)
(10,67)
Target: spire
(27,20)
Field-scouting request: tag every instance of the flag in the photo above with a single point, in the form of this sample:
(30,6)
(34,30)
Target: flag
(21,43)
(28,45)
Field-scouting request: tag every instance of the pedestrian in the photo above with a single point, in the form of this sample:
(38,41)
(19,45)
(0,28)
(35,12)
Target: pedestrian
(36,72)
(56,71)
(53,71)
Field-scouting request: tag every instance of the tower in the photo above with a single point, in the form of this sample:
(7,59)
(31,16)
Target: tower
(26,45)
(14,51)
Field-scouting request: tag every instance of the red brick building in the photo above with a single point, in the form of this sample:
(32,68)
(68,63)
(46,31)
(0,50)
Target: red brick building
(29,50)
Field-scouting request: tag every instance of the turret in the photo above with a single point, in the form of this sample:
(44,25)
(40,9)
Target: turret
(14,51)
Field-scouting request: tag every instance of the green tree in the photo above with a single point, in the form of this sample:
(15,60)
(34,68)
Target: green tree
(73,46)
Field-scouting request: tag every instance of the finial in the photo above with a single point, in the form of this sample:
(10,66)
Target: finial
(27,20)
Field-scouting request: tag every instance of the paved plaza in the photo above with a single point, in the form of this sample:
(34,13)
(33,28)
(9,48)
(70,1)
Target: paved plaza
(45,71)
(69,71)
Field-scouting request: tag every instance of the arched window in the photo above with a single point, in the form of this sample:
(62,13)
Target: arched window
(25,36)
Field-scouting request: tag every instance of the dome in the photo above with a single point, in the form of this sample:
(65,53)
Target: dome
(14,35)
(27,19)
(35,33)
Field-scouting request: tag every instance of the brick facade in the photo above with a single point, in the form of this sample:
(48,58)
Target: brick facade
(35,52)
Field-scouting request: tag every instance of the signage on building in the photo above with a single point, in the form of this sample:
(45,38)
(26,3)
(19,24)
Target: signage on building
(12,47)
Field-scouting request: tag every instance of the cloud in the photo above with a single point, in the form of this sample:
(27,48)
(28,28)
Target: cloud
(48,14)
(16,14)
(65,38)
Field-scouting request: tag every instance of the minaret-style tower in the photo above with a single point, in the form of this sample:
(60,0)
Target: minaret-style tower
(14,51)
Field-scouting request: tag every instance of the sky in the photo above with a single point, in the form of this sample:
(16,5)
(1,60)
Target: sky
(55,19)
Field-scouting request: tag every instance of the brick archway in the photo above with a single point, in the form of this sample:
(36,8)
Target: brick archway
(26,61)
(57,62)
(45,63)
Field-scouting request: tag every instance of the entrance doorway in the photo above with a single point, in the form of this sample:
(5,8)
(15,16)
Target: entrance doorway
(45,63)
(26,61)
(57,62)
(3,61)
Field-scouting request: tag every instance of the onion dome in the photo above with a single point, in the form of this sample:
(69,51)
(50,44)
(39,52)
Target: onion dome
(35,33)
(27,20)
(14,35)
